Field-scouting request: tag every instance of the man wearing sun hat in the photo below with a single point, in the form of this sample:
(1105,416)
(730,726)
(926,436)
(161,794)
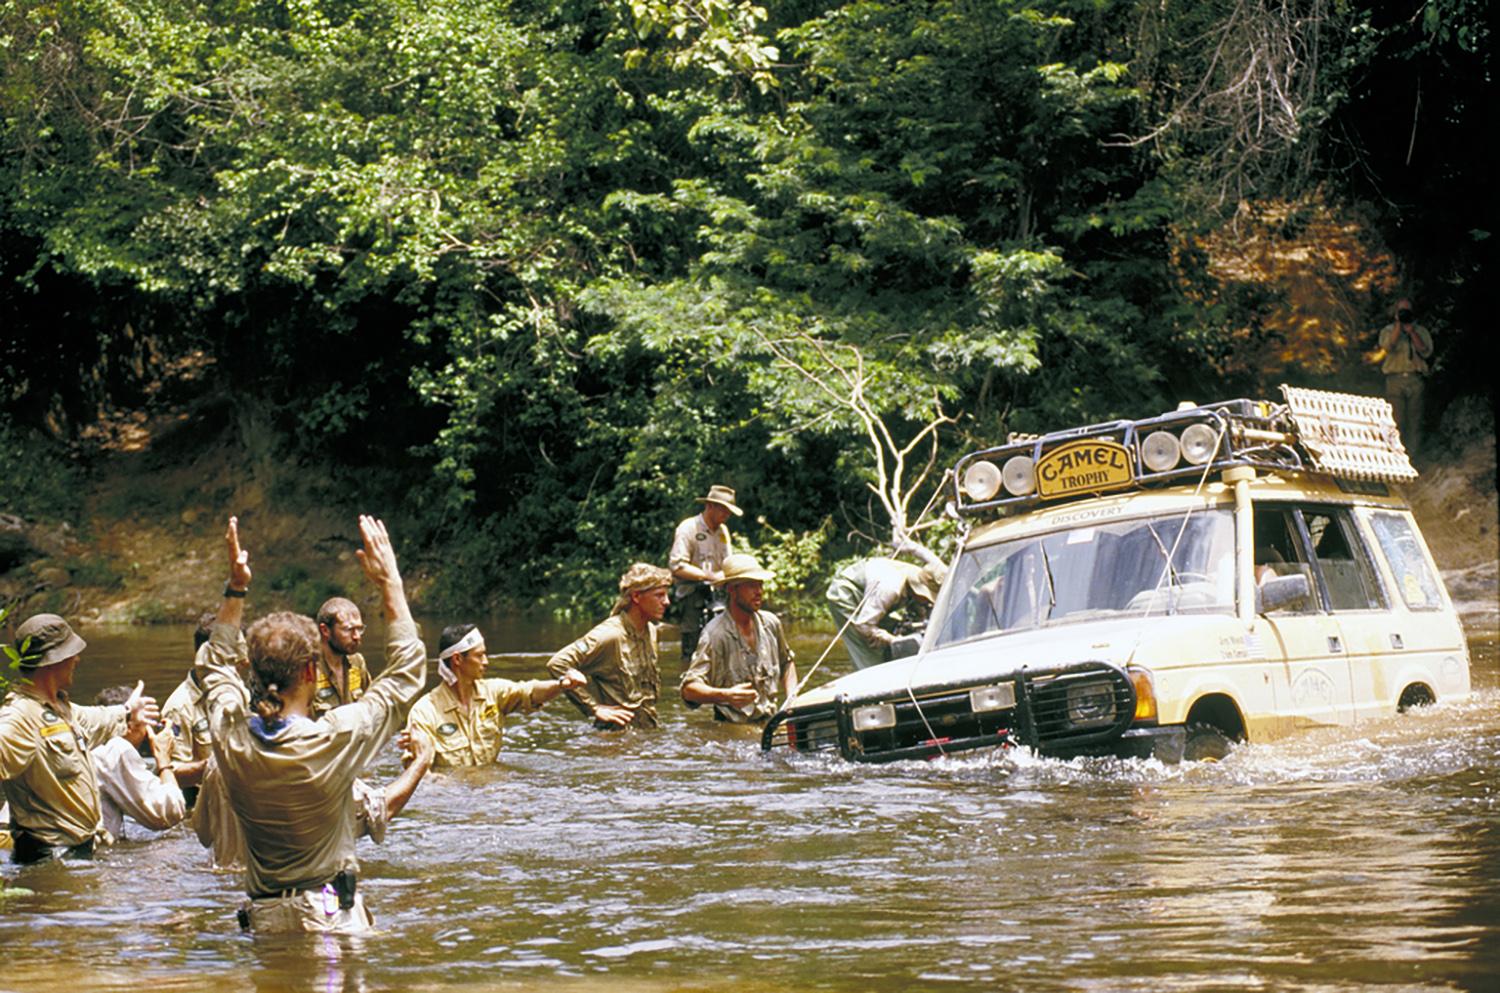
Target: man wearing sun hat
(743,658)
(699,547)
(45,739)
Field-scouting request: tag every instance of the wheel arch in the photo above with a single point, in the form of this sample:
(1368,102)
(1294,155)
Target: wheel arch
(1218,710)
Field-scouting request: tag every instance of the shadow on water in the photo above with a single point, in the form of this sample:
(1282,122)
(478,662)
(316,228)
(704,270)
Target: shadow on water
(1342,859)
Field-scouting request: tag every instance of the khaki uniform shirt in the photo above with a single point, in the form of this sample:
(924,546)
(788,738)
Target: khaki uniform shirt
(330,695)
(218,830)
(724,659)
(186,713)
(472,737)
(127,786)
(293,789)
(1400,356)
(44,762)
(694,544)
(870,589)
(620,663)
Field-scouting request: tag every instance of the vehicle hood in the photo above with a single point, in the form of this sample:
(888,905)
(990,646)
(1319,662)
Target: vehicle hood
(987,659)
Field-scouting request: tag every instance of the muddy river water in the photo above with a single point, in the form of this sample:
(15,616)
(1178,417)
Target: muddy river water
(1363,858)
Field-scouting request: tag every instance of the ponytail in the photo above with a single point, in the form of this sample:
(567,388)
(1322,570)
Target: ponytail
(281,646)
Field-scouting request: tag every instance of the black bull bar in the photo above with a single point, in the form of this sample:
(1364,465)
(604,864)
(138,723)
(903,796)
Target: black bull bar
(1067,710)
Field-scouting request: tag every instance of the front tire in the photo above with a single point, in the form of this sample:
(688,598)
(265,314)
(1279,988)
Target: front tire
(1205,743)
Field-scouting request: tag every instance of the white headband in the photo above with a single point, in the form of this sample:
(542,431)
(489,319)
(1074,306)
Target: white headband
(468,641)
(471,640)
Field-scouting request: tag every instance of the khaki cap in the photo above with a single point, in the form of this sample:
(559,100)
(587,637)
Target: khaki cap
(742,567)
(640,576)
(46,639)
(927,582)
(723,495)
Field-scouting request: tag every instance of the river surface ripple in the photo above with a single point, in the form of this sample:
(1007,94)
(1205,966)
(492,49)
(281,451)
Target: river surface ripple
(1363,858)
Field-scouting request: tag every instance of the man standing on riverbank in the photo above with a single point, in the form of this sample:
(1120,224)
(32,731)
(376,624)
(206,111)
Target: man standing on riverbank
(699,547)
(743,654)
(342,674)
(618,656)
(48,779)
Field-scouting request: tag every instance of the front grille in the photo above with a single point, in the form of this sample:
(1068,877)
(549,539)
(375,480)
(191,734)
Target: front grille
(1087,703)
(1057,710)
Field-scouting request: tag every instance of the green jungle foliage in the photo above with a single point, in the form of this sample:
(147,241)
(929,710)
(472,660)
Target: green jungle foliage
(524,269)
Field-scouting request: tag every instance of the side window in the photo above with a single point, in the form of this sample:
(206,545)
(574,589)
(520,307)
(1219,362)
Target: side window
(1403,553)
(1279,552)
(1345,564)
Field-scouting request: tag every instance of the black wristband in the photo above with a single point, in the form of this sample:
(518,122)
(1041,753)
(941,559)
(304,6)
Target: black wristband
(238,594)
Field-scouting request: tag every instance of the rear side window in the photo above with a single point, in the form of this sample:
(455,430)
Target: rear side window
(1341,555)
(1403,553)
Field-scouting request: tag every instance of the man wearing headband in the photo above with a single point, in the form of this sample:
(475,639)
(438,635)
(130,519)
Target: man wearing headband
(743,658)
(699,547)
(618,657)
(464,715)
(49,781)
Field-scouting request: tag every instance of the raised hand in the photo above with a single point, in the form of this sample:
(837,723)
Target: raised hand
(377,558)
(239,559)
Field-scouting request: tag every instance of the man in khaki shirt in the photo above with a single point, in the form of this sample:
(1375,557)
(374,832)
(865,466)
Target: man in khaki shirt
(618,657)
(290,777)
(743,658)
(342,673)
(1405,348)
(464,714)
(699,547)
(48,779)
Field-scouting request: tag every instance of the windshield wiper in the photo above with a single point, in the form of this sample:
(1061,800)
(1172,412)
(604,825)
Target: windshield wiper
(1051,588)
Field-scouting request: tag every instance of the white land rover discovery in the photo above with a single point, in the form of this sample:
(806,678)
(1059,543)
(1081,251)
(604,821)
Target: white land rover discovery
(1167,586)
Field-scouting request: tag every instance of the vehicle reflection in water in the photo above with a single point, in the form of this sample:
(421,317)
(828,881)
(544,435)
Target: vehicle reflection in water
(1340,859)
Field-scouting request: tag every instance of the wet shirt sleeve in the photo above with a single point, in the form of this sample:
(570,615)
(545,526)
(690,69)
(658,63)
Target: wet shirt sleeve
(99,724)
(588,655)
(702,667)
(682,544)
(226,693)
(142,796)
(882,592)
(371,720)
(18,743)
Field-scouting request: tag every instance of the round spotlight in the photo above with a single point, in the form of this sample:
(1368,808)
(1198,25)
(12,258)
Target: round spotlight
(1160,451)
(1199,442)
(981,481)
(1019,474)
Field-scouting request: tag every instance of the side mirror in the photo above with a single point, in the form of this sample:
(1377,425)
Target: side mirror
(1282,593)
(906,646)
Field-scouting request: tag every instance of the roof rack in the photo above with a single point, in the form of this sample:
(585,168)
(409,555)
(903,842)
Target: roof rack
(1340,434)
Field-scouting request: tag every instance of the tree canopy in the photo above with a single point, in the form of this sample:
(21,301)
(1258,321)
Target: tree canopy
(541,271)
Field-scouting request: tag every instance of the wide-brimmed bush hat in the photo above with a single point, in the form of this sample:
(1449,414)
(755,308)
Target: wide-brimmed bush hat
(47,639)
(927,582)
(722,495)
(742,567)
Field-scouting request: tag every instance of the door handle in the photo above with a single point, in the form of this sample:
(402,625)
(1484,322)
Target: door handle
(1335,645)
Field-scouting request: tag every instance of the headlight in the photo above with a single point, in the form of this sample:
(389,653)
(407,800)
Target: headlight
(1160,451)
(981,481)
(1019,474)
(1199,442)
(874,717)
(988,698)
(1091,705)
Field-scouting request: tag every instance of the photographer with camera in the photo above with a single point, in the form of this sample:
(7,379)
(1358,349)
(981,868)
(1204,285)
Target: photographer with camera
(1405,347)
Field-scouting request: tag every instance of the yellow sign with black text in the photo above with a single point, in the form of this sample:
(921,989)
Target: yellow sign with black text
(1092,466)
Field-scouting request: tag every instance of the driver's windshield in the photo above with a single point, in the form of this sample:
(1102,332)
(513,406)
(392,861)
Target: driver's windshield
(1159,565)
